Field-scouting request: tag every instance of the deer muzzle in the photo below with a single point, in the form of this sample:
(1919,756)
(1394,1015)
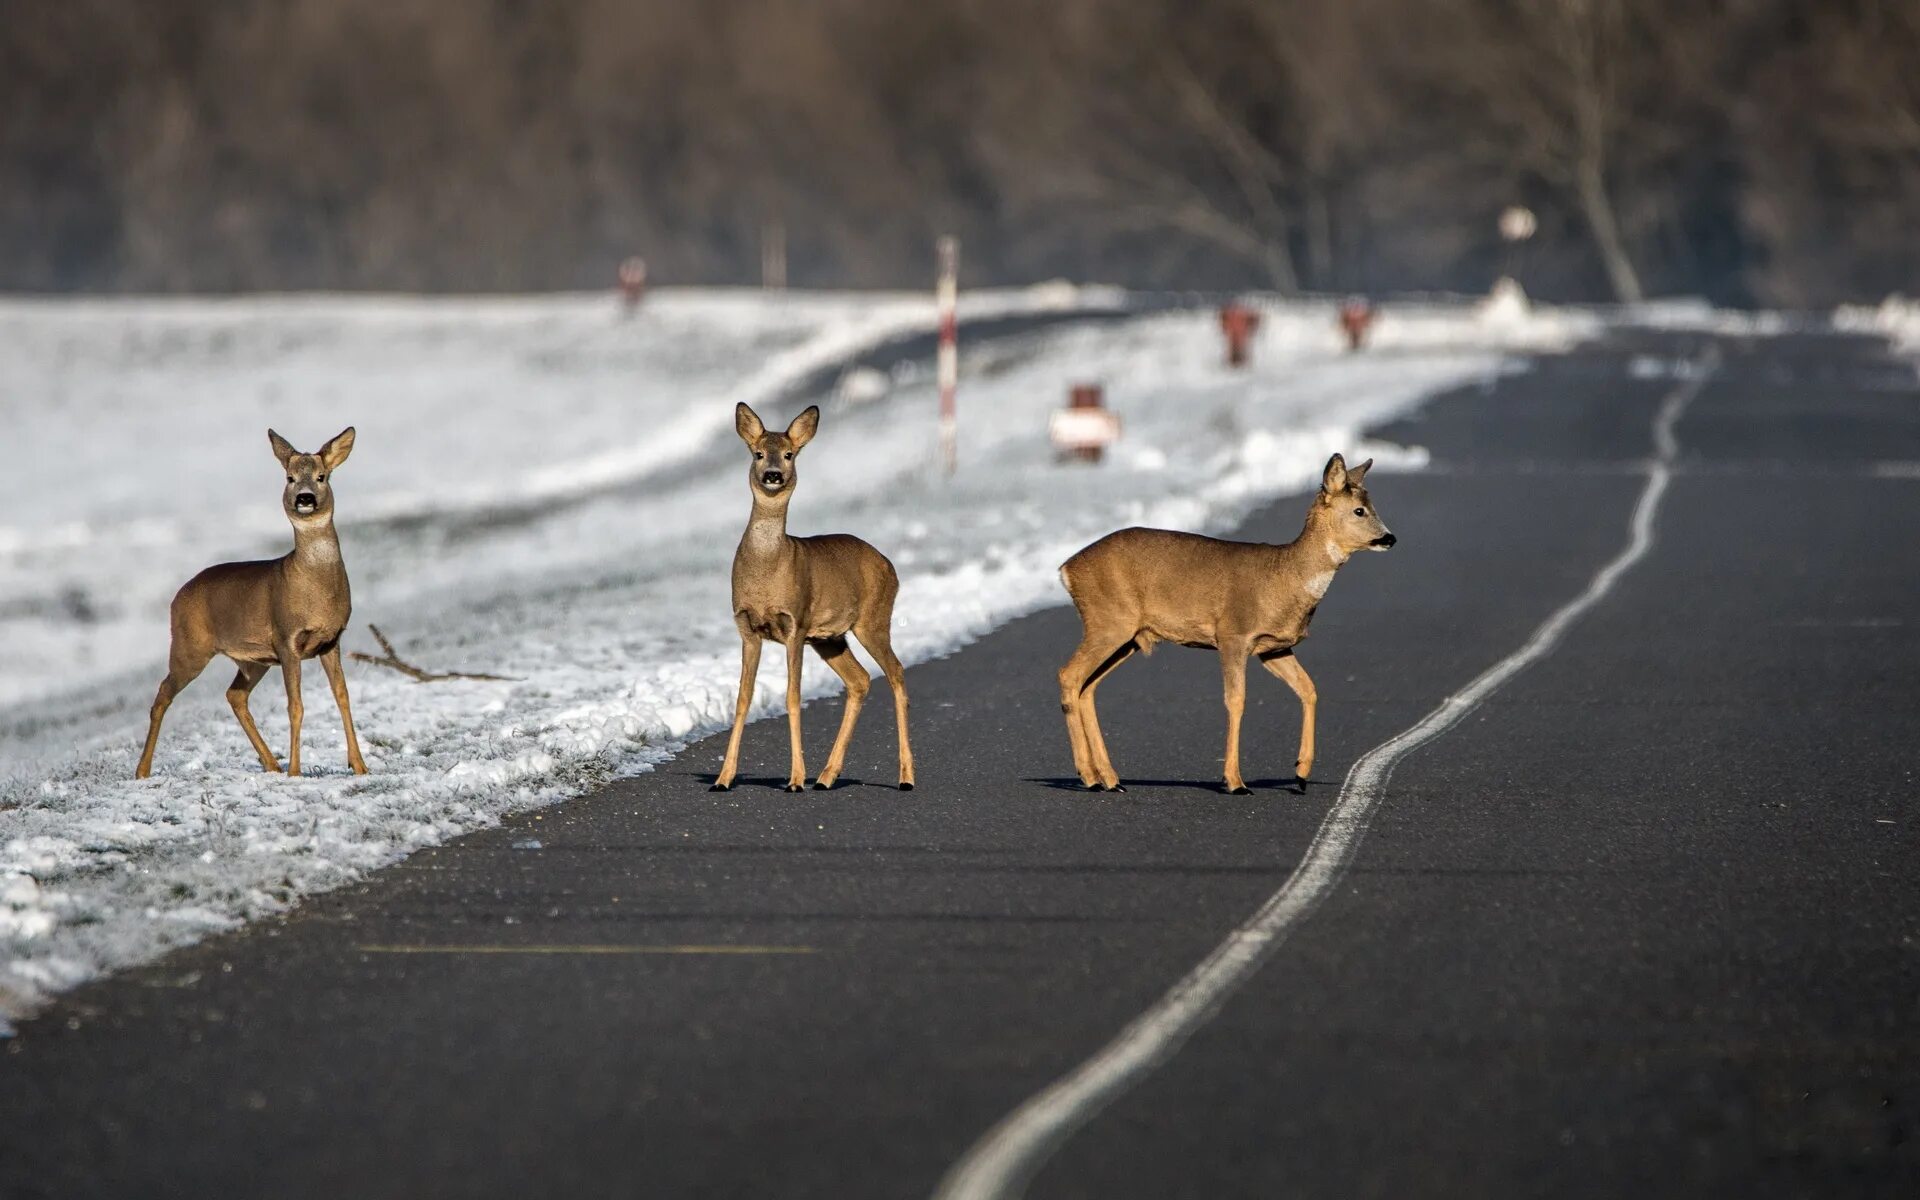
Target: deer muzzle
(771,479)
(1383,542)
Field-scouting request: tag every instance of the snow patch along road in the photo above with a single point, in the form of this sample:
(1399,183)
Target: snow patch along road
(145,422)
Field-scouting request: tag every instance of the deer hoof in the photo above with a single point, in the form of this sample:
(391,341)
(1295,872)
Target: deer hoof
(822,785)
(906,785)
(721,787)
(796,787)
(1240,790)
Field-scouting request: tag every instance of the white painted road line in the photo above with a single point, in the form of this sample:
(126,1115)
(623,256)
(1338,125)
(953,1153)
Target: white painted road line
(1001,1163)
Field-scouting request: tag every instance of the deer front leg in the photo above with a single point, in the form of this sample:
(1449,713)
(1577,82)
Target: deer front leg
(290,669)
(1284,665)
(1233,676)
(749,671)
(797,770)
(337,678)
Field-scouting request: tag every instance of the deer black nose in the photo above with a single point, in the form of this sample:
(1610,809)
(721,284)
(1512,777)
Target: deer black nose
(1385,540)
(772,478)
(305,499)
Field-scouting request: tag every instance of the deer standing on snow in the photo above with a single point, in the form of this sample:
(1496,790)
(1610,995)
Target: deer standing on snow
(809,591)
(1139,586)
(277,612)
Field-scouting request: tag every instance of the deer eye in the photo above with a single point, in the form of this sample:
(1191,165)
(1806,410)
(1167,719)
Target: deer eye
(320,478)
(289,479)
(788,455)
(1359,512)
(758,455)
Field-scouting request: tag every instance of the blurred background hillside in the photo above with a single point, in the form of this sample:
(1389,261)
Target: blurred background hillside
(1754,151)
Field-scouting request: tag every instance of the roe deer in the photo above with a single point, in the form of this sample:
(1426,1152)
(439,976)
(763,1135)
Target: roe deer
(809,591)
(262,613)
(1139,586)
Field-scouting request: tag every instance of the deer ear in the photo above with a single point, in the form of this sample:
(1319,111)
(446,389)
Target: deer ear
(282,448)
(747,424)
(335,452)
(1334,478)
(804,426)
(1357,475)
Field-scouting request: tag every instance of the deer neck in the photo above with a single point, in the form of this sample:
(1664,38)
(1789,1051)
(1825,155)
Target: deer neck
(316,549)
(1318,554)
(766,535)
(1316,540)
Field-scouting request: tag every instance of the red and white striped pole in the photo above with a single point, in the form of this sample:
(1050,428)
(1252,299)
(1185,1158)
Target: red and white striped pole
(947,295)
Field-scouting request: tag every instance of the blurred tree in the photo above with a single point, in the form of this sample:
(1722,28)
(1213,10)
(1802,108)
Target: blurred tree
(1751,149)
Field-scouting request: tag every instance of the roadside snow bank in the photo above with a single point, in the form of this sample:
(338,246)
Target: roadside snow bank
(532,519)
(1897,317)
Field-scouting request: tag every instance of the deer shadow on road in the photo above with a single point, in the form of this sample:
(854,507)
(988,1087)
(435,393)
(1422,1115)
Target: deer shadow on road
(1295,786)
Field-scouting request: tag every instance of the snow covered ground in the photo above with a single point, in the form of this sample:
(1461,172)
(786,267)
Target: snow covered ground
(1896,317)
(543,490)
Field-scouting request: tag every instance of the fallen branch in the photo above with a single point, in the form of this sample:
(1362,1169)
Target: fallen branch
(392,659)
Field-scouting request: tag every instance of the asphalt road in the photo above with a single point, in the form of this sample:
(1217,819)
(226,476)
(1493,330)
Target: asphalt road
(1647,922)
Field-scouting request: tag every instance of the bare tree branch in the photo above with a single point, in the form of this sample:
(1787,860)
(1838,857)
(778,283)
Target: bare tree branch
(392,660)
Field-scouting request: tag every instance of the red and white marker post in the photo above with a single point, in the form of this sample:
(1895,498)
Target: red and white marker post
(1356,318)
(946,295)
(1239,323)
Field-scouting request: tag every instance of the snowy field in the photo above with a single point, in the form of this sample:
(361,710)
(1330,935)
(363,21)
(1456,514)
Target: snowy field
(1896,318)
(544,490)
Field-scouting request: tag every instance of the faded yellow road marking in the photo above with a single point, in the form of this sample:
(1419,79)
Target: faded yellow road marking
(588,949)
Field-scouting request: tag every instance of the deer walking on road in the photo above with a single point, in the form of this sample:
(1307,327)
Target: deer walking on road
(1140,586)
(810,591)
(277,612)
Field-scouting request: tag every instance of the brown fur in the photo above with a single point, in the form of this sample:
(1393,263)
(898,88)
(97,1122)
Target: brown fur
(810,591)
(1140,586)
(277,612)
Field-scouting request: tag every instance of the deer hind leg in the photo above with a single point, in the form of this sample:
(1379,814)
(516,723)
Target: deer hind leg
(1233,677)
(290,671)
(1284,665)
(749,671)
(1097,646)
(839,656)
(184,664)
(1090,719)
(797,760)
(249,677)
(337,680)
(877,636)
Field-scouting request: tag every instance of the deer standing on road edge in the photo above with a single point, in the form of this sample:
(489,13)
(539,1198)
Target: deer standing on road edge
(278,611)
(809,591)
(1139,586)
